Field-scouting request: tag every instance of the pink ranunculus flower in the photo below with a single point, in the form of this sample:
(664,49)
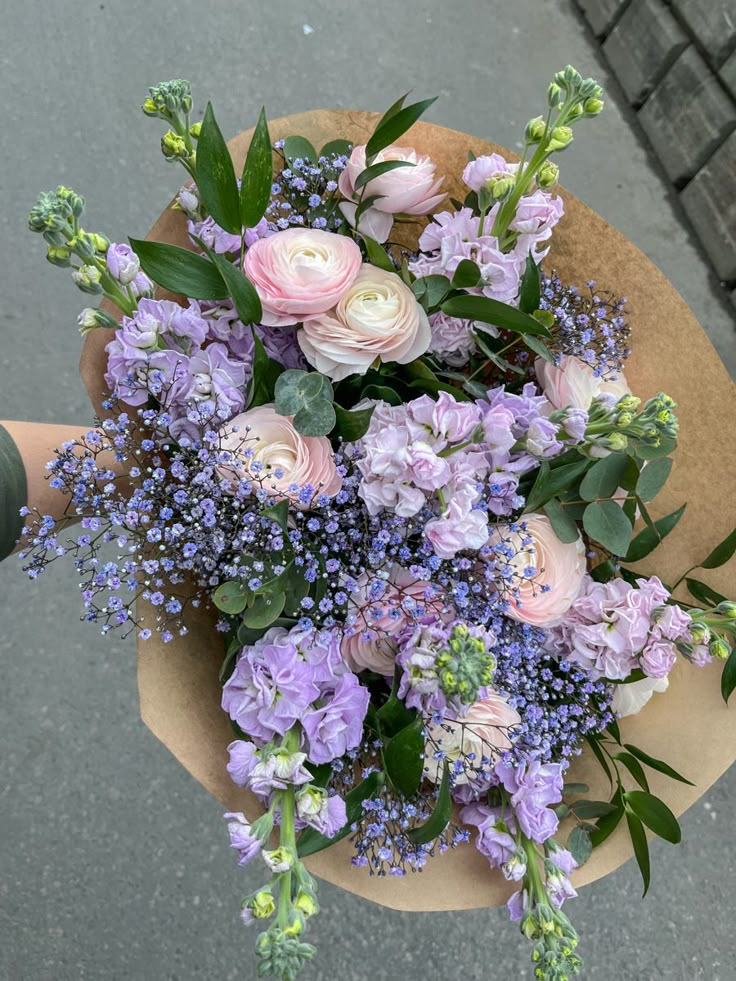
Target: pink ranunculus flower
(301,272)
(282,456)
(377,317)
(410,190)
(574,383)
(543,599)
(377,623)
(485,730)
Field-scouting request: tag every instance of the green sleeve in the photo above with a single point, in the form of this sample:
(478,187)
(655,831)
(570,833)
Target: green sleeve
(13,493)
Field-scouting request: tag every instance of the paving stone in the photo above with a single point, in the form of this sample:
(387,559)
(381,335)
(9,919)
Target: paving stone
(687,117)
(602,14)
(710,202)
(713,22)
(643,45)
(727,74)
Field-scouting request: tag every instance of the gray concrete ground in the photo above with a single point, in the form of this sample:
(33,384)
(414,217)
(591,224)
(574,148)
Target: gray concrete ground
(114,862)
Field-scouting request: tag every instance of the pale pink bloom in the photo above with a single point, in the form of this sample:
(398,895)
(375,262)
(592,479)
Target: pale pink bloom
(574,383)
(301,272)
(446,419)
(410,190)
(478,172)
(560,566)
(286,457)
(484,730)
(375,624)
(376,318)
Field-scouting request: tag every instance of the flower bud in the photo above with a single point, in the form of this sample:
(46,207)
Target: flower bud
(278,859)
(699,632)
(561,138)
(576,111)
(187,200)
(535,130)
(719,648)
(592,107)
(548,174)
(306,904)
(262,904)
(58,255)
(727,609)
(83,245)
(149,107)
(91,318)
(500,186)
(101,242)
(173,146)
(554,93)
(195,129)
(87,279)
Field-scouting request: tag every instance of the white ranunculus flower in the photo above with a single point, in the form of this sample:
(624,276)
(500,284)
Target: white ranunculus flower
(378,317)
(630,699)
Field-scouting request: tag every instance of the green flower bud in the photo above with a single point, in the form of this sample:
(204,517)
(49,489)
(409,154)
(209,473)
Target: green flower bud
(500,186)
(72,199)
(548,174)
(262,904)
(87,278)
(173,146)
(719,648)
(306,904)
(624,419)
(58,255)
(593,106)
(195,129)
(149,107)
(91,318)
(699,632)
(168,99)
(554,93)
(616,442)
(100,242)
(83,244)
(576,111)
(561,138)
(628,403)
(727,609)
(278,859)
(534,130)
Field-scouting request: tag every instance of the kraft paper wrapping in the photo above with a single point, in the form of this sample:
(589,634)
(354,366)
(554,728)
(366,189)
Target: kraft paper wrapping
(689,726)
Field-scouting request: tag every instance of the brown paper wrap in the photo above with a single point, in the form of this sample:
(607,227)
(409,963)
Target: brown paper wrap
(689,726)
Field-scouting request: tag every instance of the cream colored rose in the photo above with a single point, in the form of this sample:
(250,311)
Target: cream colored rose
(378,317)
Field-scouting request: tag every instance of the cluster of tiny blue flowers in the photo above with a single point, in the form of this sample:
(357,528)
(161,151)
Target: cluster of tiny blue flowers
(304,192)
(558,703)
(592,326)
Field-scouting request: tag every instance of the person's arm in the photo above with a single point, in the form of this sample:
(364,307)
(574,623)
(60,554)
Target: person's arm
(25,449)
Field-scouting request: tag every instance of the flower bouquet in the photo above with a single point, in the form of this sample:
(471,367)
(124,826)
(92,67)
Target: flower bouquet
(371,486)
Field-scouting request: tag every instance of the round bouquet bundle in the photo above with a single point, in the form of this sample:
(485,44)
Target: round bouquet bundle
(378,488)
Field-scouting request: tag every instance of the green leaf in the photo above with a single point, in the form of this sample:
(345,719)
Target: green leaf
(656,764)
(393,108)
(605,523)
(341,147)
(580,845)
(591,809)
(655,814)
(364,205)
(604,571)
(279,513)
(647,540)
(394,124)
(257,178)
(653,478)
(467,275)
(721,553)
(266,372)
(605,826)
(242,291)
(614,730)
(393,715)
(601,757)
(295,588)
(352,425)
(298,148)
(265,608)
(575,788)
(704,594)
(430,290)
(539,348)
(317,418)
(216,182)
(377,170)
(233,649)
(403,758)
(440,816)
(604,477)
(530,291)
(311,841)
(382,393)
(634,767)
(494,312)
(377,255)
(641,848)
(551,482)
(544,317)
(562,524)
(665,447)
(728,677)
(231,597)
(180,270)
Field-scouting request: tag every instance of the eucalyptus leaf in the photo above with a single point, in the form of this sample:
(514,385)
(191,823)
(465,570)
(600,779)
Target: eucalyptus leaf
(317,418)
(653,478)
(579,845)
(180,270)
(430,290)
(606,524)
(216,182)
(604,477)
(265,608)
(257,178)
(231,597)
(340,147)
(666,446)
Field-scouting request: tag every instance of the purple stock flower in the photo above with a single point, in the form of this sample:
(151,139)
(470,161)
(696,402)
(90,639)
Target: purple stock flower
(326,814)
(493,841)
(122,263)
(277,772)
(242,838)
(243,757)
(533,787)
(336,724)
